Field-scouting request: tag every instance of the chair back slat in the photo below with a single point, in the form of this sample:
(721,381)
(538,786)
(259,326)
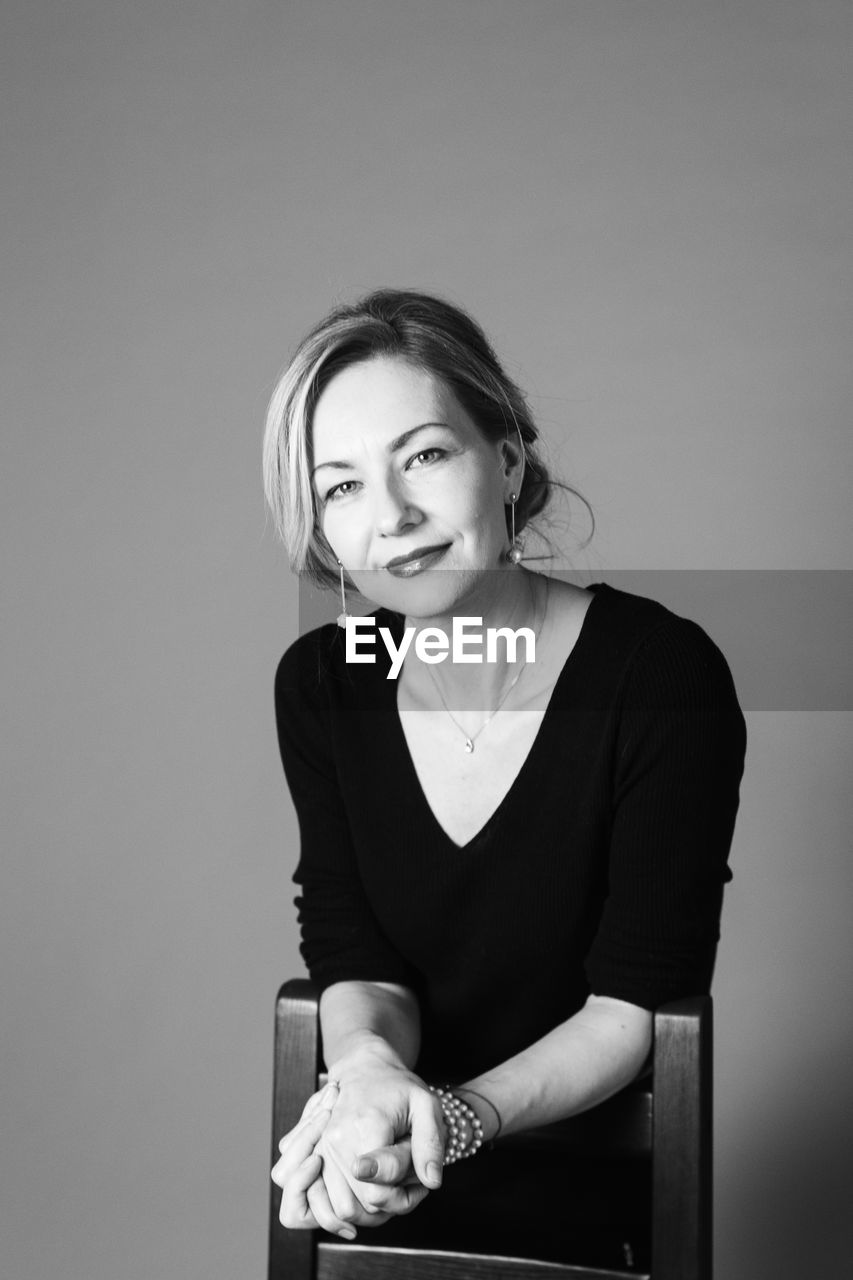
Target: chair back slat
(683,1129)
(354,1262)
(297,1047)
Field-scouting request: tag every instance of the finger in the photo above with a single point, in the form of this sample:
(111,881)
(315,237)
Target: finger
(342,1197)
(298,1145)
(427,1140)
(325,1097)
(320,1206)
(407,1198)
(387,1166)
(319,1104)
(302,1140)
(294,1211)
(323,1100)
(392,1202)
(388,1202)
(357,1209)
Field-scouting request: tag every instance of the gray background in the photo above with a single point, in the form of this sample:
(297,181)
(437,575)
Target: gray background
(647,204)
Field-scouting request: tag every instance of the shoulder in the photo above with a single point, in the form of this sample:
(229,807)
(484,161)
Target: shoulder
(314,667)
(303,663)
(663,659)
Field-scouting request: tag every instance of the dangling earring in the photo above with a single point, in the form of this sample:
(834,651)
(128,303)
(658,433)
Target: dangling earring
(516,546)
(342,616)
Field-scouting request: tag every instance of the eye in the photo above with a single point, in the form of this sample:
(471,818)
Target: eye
(341,490)
(426,456)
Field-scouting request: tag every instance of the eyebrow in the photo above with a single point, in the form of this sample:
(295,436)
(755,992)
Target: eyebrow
(397,443)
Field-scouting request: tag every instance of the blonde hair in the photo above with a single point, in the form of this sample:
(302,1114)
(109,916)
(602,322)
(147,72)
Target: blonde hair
(429,333)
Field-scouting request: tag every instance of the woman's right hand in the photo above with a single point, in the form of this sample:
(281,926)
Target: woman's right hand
(298,1169)
(305,1203)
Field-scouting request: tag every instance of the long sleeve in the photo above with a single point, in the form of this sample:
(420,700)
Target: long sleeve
(341,938)
(678,764)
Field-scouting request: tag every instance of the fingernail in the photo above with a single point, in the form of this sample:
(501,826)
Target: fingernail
(348,1233)
(433,1172)
(365,1167)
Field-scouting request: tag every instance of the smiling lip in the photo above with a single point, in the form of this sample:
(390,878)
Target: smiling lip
(416,561)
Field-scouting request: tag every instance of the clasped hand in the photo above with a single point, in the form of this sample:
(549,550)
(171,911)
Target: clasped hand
(368,1147)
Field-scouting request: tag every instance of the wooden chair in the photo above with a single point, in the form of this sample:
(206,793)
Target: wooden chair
(664,1120)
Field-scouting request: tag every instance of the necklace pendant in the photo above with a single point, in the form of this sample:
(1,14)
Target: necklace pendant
(469,746)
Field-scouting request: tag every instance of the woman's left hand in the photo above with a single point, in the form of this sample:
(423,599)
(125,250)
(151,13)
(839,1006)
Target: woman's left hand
(382,1105)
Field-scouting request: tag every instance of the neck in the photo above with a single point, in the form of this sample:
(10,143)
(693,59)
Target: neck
(510,599)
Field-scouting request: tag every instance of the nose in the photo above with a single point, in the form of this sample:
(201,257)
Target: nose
(393,512)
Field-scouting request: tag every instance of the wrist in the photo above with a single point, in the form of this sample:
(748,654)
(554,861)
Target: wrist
(361,1051)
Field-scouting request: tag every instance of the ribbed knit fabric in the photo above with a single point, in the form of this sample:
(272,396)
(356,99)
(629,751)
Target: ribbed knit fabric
(601,870)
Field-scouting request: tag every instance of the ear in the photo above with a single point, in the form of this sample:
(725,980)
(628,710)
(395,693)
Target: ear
(512,463)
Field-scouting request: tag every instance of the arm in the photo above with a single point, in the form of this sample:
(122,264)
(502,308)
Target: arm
(341,940)
(371,1033)
(584,1060)
(371,1037)
(340,937)
(381,1017)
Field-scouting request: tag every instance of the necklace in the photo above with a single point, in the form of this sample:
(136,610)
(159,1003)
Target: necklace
(471,738)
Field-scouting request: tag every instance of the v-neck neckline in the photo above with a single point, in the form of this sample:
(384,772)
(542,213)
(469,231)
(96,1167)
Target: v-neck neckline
(414,782)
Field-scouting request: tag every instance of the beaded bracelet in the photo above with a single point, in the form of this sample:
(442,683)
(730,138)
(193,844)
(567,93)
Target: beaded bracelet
(465,1132)
(463,1088)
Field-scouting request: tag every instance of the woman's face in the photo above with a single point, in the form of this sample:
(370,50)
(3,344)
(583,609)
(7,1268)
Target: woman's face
(410,494)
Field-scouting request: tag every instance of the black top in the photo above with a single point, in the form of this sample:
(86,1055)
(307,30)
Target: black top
(601,870)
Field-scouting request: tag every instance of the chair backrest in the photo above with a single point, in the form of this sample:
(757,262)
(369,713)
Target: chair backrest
(663,1122)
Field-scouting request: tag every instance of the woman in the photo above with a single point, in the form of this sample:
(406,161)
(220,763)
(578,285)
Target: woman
(506,864)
